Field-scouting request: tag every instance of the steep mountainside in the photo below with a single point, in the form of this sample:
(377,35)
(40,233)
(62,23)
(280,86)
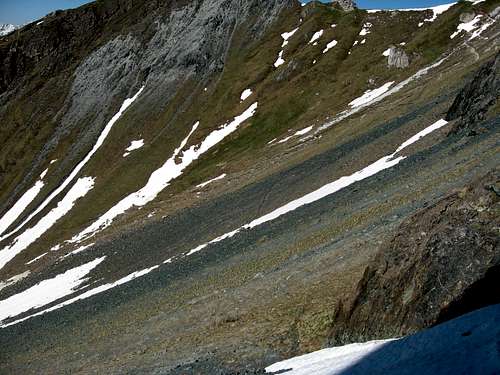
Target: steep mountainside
(195,186)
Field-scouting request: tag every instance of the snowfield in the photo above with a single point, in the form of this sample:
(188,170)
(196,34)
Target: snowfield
(134,145)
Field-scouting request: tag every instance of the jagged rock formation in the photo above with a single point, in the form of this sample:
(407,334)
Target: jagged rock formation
(475,99)
(346,5)
(443,261)
(398,58)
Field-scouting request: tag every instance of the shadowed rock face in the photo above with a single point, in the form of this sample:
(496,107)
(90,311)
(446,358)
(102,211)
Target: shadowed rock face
(442,262)
(473,102)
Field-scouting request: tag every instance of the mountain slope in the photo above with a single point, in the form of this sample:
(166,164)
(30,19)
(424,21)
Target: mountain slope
(153,216)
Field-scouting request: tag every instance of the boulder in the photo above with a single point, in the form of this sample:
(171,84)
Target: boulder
(346,5)
(398,58)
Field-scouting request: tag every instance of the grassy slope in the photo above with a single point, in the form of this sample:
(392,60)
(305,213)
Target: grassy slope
(288,99)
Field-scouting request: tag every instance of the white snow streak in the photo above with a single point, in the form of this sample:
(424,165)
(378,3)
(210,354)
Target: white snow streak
(366,29)
(30,235)
(79,250)
(384,163)
(134,145)
(46,291)
(316,36)
(467,26)
(162,177)
(347,113)
(36,259)
(298,133)
(127,103)
(200,186)
(18,208)
(370,95)
(436,11)
(85,295)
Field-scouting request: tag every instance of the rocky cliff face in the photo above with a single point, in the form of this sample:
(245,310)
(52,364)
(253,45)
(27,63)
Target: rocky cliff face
(476,98)
(443,262)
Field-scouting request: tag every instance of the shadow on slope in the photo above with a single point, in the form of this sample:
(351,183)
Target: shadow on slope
(467,345)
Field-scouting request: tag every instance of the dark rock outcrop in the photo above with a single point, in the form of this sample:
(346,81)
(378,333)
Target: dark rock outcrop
(444,261)
(475,99)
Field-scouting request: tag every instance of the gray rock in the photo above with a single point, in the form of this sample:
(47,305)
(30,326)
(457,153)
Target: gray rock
(346,5)
(467,17)
(398,58)
(495,13)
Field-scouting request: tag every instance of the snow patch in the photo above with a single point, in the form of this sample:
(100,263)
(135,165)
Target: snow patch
(467,26)
(30,235)
(245,94)
(134,145)
(162,177)
(285,36)
(46,291)
(201,186)
(370,95)
(298,133)
(366,29)
(330,45)
(18,208)
(316,36)
(327,361)
(85,295)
